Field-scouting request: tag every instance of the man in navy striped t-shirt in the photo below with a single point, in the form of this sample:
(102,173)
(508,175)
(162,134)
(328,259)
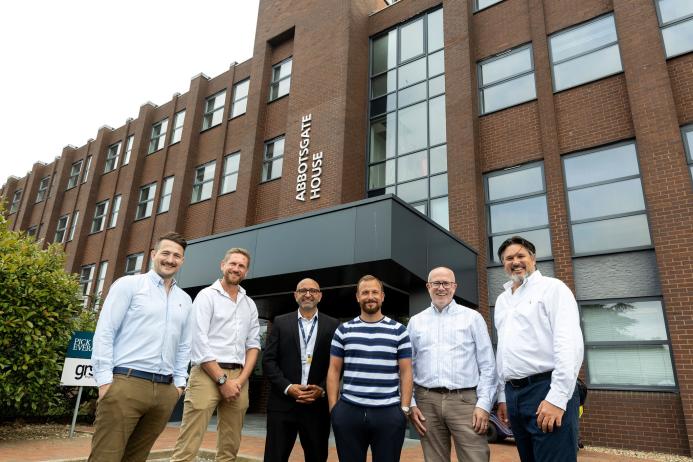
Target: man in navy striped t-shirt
(375,353)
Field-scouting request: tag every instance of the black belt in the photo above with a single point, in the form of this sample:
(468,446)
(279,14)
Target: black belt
(444,390)
(231,366)
(152,377)
(521,383)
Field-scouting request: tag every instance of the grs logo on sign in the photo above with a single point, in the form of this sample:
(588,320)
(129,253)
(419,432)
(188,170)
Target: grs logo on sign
(83,371)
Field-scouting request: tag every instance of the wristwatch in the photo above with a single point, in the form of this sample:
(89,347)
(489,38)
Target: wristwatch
(406,410)
(222,380)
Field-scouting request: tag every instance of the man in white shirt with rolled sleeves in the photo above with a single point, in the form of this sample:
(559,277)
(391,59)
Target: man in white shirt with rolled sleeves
(225,347)
(454,374)
(540,350)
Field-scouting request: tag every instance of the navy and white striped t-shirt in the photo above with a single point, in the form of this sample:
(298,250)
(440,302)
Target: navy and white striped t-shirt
(370,351)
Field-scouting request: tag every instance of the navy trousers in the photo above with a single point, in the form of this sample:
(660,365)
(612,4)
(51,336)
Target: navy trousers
(357,427)
(533,444)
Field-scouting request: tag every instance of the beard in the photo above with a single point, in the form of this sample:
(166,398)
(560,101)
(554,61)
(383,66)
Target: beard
(370,309)
(232,279)
(519,279)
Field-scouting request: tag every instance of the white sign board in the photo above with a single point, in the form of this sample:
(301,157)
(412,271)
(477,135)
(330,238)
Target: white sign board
(77,368)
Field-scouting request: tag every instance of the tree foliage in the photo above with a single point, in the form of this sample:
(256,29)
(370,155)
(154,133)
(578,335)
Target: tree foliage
(39,308)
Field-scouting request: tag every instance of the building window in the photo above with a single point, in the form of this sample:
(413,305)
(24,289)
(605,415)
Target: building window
(133,263)
(605,200)
(585,53)
(32,231)
(60,229)
(158,137)
(100,212)
(166,191)
(100,281)
(240,98)
(687,133)
(112,157)
(676,21)
(627,344)
(51,190)
(128,149)
(16,199)
(273,158)
(73,225)
(407,151)
(86,277)
(42,189)
(229,176)
(214,110)
(481,4)
(203,183)
(281,79)
(516,204)
(145,202)
(178,121)
(85,173)
(74,174)
(506,80)
(115,209)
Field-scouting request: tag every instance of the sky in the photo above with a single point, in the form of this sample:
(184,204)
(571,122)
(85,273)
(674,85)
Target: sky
(69,67)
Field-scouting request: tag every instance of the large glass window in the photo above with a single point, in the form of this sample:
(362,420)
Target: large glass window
(158,136)
(605,200)
(687,133)
(115,209)
(281,79)
(166,192)
(676,22)
(627,344)
(74,174)
(73,225)
(42,189)
(516,204)
(240,98)
(128,149)
(273,158)
(133,263)
(214,110)
(145,201)
(585,53)
(60,229)
(16,199)
(86,278)
(112,157)
(178,121)
(203,183)
(100,212)
(407,151)
(506,79)
(229,176)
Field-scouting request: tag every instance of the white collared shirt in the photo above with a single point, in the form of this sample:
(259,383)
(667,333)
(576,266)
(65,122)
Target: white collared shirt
(223,330)
(539,330)
(451,349)
(307,349)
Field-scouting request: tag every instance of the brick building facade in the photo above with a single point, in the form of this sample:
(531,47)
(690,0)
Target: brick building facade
(569,122)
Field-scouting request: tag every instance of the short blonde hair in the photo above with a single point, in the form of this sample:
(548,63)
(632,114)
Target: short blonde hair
(367,278)
(239,250)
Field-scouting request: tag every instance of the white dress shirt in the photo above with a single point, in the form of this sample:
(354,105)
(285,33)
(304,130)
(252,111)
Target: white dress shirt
(143,327)
(451,349)
(306,350)
(538,330)
(223,329)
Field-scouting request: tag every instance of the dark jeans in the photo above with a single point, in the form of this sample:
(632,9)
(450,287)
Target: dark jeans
(357,427)
(312,424)
(533,444)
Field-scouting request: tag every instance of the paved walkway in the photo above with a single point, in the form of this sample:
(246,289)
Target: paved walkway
(252,447)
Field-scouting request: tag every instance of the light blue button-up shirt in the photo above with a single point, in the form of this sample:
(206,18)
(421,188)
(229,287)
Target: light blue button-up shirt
(143,327)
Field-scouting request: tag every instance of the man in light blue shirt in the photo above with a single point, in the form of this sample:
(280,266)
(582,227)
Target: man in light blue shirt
(140,356)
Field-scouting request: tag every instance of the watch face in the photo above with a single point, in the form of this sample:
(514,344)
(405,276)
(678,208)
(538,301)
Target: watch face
(221,380)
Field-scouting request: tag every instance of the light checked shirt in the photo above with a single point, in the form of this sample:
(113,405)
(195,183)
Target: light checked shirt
(539,330)
(142,327)
(451,349)
(223,329)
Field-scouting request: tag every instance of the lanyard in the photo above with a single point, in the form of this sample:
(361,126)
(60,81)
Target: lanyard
(310,334)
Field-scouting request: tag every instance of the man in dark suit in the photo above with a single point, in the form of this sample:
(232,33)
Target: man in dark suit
(295,360)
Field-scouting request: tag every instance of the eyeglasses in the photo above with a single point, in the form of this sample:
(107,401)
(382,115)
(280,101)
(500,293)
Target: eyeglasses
(308,291)
(443,284)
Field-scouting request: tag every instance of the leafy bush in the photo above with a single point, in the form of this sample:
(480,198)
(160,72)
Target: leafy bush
(39,308)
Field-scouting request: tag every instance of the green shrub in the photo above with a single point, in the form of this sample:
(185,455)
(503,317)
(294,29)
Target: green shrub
(39,308)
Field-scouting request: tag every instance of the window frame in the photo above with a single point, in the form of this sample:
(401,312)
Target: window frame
(672,23)
(498,57)
(270,160)
(63,231)
(129,142)
(177,131)
(688,148)
(114,212)
(198,186)
(275,83)
(235,100)
(43,187)
(148,202)
(137,269)
(477,9)
(86,285)
(85,172)
(626,343)
(73,225)
(73,177)
(111,162)
(32,231)
(225,174)
(98,223)
(209,113)
(157,141)
(100,280)
(16,201)
(165,195)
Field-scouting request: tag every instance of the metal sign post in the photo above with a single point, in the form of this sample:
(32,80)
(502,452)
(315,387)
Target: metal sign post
(77,368)
(74,414)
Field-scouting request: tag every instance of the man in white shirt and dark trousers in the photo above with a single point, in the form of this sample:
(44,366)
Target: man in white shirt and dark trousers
(539,355)
(140,357)
(225,347)
(454,374)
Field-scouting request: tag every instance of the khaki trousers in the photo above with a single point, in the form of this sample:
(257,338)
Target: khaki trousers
(130,418)
(201,398)
(450,414)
